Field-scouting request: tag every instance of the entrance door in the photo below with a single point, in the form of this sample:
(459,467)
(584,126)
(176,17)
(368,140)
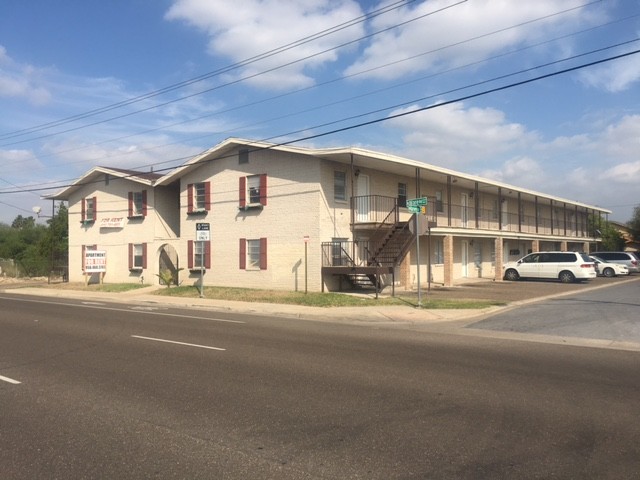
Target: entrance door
(363,198)
(464,206)
(465,258)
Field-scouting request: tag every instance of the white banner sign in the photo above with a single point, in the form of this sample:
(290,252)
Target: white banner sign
(95,261)
(117,222)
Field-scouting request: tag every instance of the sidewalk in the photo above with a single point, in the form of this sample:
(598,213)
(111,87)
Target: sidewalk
(513,293)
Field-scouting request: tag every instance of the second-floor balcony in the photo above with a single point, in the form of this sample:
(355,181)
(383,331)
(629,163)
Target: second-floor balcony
(374,211)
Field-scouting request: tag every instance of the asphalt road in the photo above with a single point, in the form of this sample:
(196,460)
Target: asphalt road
(106,393)
(606,314)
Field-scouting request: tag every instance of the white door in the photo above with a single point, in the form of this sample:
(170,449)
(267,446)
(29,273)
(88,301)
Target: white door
(465,259)
(464,213)
(363,198)
(505,215)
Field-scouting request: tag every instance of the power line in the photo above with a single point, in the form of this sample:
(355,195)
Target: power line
(211,74)
(305,58)
(391,117)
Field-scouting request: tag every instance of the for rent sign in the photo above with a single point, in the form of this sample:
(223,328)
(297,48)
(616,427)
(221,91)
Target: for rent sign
(95,261)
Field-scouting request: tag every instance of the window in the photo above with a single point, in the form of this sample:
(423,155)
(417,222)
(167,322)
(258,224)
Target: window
(402,194)
(253,191)
(137,256)
(439,205)
(89,209)
(198,197)
(253,254)
(439,251)
(138,204)
(199,255)
(339,186)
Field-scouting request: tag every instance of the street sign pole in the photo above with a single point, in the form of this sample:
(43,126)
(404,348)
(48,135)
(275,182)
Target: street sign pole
(416,205)
(203,234)
(415,216)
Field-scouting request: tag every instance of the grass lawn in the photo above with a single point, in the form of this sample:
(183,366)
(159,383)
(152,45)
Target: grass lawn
(315,299)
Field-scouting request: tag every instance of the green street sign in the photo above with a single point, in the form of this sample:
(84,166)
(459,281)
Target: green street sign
(413,209)
(416,202)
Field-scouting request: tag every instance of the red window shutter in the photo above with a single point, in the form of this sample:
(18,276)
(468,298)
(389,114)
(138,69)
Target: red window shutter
(243,192)
(243,254)
(190,253)
(95,208)
(144,255)
(130,256)
(207,196)
(263,254)
(84,249)
(263,189)
(130,205)
(190,198)
(144,203)
(83,214)
(207,255)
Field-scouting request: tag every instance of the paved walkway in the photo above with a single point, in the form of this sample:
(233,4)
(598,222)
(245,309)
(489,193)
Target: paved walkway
(513,293)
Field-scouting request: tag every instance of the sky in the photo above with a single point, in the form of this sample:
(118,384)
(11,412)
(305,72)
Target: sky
(543,94)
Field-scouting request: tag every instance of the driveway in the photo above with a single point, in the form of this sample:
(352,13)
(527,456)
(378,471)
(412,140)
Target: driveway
(609,314)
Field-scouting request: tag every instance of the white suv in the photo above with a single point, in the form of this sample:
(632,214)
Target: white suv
(565,266)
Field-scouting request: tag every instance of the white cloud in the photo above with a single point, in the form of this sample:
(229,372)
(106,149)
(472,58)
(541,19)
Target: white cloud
(454,136)
(442,39)
(616,76)
(21,81)
(242,30)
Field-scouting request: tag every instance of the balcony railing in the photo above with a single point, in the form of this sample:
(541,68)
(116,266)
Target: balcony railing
(374,209)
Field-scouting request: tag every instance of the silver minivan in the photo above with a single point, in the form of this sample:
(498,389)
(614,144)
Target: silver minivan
(625,258)
(567,267)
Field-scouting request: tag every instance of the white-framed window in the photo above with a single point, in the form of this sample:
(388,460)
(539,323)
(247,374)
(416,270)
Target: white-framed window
(137,256)
(138,204)
(253,254)
(253,191)
(89,209)
(198,197)
(339,185)
(199,254)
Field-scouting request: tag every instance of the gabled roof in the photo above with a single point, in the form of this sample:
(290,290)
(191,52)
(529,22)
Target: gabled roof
(363,158)
(96,174)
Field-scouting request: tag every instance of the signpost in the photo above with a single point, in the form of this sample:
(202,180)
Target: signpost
(203,234)
(306,243)
(95,261)
(417,205)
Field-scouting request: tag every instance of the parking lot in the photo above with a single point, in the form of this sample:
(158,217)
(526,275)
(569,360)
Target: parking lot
(517,291)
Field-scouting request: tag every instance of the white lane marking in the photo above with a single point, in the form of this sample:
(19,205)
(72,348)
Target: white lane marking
(145,312)
(178,343)
(92,303)
(9,380)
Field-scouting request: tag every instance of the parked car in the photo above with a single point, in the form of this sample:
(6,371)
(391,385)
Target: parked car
(564,266)
(626,258)
(609,269)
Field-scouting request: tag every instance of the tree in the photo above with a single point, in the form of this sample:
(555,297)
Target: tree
(21,222)
(611,238)
(634,224)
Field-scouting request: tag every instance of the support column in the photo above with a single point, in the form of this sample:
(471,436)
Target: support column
(447,244)
(563,246)
(535,246)
(585,247)
(499,257)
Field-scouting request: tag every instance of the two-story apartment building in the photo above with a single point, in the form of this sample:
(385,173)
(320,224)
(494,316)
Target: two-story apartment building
(282,217)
